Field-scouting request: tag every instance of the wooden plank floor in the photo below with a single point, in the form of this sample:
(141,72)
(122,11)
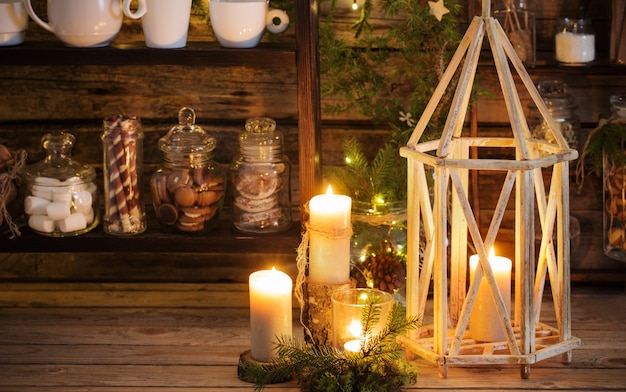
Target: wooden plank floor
(187,337)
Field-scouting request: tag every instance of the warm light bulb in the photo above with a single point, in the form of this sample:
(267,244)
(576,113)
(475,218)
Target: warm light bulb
(355,6)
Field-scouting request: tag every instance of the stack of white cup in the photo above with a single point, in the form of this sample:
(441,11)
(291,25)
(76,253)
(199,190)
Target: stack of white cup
(55,205)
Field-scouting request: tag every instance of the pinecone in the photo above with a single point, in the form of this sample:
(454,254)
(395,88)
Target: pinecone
(385,272)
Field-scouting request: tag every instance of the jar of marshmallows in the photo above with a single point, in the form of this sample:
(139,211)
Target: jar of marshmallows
(61,196)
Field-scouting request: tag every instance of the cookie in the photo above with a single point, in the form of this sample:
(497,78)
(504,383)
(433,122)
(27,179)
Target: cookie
(158,187)
(207,197)
(256,205)
(178,178)
(168,214)
(185,197)
(257,184)
(266,218)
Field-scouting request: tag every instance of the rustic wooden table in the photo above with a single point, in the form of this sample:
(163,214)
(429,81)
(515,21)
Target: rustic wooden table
(188,337)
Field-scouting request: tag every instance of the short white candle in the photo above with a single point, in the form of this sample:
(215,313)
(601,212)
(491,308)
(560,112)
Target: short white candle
(329,247)
(485,324)
(270,311)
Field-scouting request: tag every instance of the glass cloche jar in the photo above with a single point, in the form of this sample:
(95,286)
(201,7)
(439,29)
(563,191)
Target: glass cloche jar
(61,196)
(188,189)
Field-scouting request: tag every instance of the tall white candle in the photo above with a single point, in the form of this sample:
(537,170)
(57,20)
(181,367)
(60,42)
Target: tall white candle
(329,244)
(270,311)
(485,324)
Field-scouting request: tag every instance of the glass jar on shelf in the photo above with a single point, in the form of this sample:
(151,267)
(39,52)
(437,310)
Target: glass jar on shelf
(61,196)
(574,42)
(122,144)
(518,22)
(614,177)
(562,107)
(188,189)
(261,174)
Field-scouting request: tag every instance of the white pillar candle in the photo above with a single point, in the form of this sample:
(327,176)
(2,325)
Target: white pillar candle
(270,311)
(329,244)
(485,324)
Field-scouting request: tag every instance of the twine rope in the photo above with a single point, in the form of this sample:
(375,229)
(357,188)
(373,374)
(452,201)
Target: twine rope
(5,183)
(302,260)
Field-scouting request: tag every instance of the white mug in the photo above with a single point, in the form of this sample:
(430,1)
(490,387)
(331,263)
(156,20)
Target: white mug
(85,23)
(13,23)
(241,23)
(165,22)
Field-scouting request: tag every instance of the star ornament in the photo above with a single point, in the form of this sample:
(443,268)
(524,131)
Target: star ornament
(438,9)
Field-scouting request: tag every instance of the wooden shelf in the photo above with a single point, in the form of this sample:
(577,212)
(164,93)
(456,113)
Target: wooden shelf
(221,240)
(267,55)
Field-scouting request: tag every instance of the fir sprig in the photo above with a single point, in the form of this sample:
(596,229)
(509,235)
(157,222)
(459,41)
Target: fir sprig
(378,367)
(384,178)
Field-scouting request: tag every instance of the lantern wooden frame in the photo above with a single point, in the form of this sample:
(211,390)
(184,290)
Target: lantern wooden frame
(527,339)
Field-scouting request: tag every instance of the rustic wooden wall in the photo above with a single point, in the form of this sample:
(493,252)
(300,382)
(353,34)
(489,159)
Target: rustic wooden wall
(38,99)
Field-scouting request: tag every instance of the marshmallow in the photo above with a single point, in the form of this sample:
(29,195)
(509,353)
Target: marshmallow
(43,191)
(47,181)
(58,210)
(34,205)
(62,193)
(74,222)
(82,201)
(41,223)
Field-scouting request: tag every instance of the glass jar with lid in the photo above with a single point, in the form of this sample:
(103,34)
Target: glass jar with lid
(574,42)
(261,175)
(61,196)
(611,132)
(518,22)
(562,106)
(188,189)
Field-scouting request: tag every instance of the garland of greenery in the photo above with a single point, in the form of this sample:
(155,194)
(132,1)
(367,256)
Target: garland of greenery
(388,75)
(378,367)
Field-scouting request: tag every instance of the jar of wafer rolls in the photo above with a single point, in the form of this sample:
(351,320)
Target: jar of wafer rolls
(122,145)
(61,197)
(188,189)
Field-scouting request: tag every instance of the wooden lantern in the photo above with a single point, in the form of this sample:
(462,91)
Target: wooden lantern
(448,219)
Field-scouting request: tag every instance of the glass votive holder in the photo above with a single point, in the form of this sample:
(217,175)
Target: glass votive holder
(349,305)
(574,42)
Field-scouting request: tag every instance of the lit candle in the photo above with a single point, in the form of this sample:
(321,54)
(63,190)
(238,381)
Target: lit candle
(485,324)
(356,330)
(270,311)
(329,244)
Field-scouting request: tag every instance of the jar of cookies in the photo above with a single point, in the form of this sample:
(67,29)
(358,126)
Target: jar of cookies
(261,180)
(122,144)
(608,137)
(61,197)
(188,190)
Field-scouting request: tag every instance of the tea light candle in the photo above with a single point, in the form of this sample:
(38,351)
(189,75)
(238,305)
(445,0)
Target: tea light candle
(270,311)
(329,245)
(484,323)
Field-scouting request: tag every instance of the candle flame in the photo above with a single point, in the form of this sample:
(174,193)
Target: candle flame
(492,253)
(329,191)
(356,328)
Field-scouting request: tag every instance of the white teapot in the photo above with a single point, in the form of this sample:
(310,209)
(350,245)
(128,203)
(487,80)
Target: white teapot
(84,23)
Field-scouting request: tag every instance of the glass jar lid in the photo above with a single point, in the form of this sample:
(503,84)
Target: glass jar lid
(556,98)
(58,163)
(186,139)
(260,139)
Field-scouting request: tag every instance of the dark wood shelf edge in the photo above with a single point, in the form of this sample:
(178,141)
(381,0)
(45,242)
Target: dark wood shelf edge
(267,55)
(222,240)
